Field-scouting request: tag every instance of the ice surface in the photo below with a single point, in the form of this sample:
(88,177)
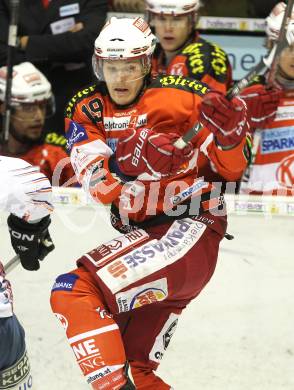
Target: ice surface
(237,335)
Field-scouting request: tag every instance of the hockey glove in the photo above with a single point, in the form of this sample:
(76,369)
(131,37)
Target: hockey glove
(226,119)
(145,151)
(31,241)
(262,105)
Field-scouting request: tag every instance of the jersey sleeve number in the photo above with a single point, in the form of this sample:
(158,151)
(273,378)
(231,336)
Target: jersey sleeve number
(93,110)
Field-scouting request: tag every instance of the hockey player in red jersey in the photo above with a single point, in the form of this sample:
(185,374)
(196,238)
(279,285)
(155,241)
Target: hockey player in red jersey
(32,101)
(272,171)
(181,51)
(123,301)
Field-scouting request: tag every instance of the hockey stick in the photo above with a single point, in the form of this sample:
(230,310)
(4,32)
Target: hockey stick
(262,66)
(267,62)
(11,264)
(12,37)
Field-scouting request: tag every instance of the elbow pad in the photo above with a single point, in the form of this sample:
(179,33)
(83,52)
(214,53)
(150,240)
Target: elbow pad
(100,183)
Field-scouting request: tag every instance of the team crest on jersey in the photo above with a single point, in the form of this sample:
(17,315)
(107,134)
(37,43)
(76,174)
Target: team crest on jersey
(178,69)
(63,320)
(285,172)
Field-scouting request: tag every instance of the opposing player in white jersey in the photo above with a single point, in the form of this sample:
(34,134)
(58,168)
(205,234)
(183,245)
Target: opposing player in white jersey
(26,194)
(272,172)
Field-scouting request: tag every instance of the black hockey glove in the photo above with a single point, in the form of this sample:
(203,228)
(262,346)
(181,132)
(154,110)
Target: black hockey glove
(31,241)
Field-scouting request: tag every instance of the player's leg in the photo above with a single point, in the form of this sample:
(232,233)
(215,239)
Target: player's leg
(147,330)
(14,364)
(146,334)
(92,333)
(167,270)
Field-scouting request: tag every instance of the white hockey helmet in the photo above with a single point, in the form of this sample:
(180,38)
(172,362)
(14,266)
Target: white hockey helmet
(29,85)
(274,21)
(172,7)
(124,39)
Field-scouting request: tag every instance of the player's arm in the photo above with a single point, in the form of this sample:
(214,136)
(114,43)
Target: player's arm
(89,152)
(27,196)
(147,152)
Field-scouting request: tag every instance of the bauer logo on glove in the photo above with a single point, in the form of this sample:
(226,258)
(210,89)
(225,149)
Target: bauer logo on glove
(145,151)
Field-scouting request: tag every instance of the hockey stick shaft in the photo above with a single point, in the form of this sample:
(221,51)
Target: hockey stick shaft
(11,264)
(12,38)
(267,62)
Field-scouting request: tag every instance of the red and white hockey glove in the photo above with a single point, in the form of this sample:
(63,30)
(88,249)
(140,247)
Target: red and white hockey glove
(262,105)
(226,119)
(145,151)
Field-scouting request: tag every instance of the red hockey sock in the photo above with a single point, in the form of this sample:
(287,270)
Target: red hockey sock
(145,378)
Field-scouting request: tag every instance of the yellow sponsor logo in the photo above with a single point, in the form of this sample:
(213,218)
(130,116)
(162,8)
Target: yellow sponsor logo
(184,82)
(243,26)
(78,96)
(55,139)
(218,62)
(195,57)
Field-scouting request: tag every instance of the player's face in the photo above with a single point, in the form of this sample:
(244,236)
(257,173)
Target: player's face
(124,79)
(172,31)
(28,119)
(287,62)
